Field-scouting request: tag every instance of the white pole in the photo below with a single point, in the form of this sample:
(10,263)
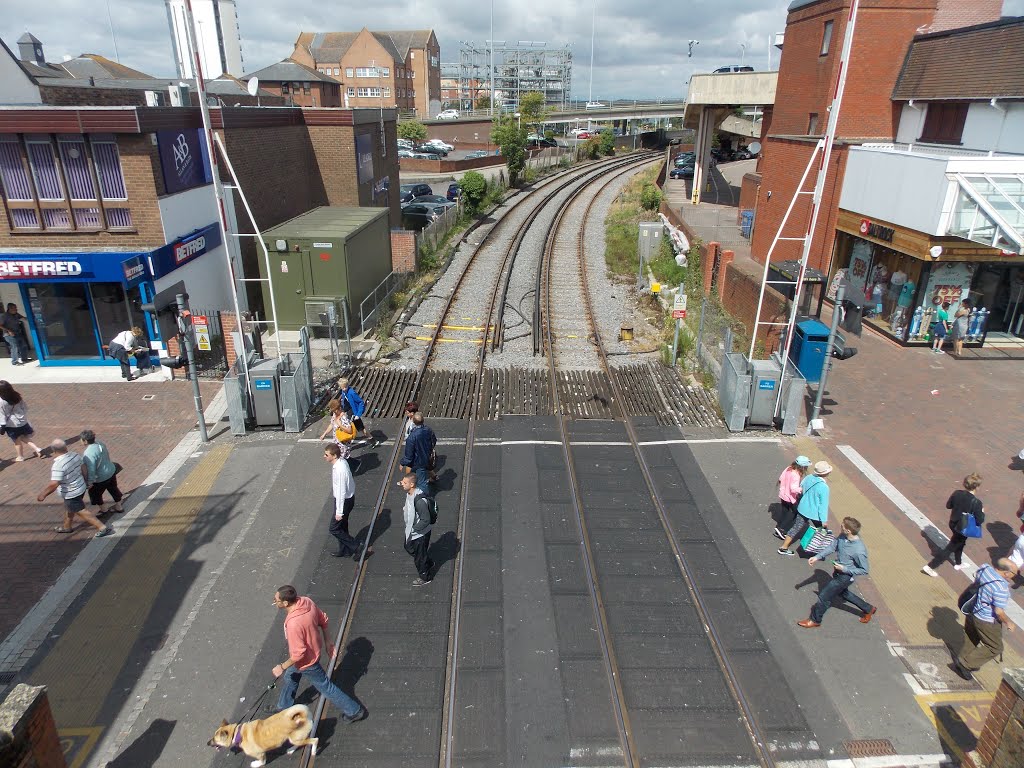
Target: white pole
(819,187)
(491,69)
(218,189)
(593,25)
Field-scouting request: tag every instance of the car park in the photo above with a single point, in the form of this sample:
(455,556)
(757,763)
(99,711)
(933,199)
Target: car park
(409,191)
(681,172)
(439,145)
(448,114)
(685,158)
(431,200)
(416,216)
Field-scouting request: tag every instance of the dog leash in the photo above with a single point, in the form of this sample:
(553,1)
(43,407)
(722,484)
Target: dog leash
(251,712)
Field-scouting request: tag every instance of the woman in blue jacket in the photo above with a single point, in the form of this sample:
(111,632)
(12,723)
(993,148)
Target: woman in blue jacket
(813,506)
(356,405)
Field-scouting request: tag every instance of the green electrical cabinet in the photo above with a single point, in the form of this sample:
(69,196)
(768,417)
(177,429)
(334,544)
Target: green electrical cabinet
(323,256)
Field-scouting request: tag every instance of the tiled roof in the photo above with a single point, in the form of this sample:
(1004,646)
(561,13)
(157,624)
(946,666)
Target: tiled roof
(94,65)
(981,62)
(332,46)
(289,71)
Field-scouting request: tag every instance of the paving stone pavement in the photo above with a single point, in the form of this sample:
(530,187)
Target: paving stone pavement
(139,433)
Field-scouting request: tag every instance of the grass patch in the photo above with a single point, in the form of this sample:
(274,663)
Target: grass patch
(622,226)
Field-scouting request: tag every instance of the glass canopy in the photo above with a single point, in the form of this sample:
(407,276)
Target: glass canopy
(990,210)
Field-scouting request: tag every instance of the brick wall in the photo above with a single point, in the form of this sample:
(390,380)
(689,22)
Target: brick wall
(73,96)
(403,250)
(1001,744)
(140,165)
(781,168)
(28,734)
(748,193)
(739,291)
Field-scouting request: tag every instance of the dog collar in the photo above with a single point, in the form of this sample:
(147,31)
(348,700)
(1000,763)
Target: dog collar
(236,740)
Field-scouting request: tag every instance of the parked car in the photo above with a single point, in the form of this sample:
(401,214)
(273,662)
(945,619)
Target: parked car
(681,172)
(407,143)
(453,191)
(448,114)
(686,158)
(408,191)
(406,153)
(580,133)
(477,153)
(433,148)
(438,144)
(734,68)
(742,154)
(426,156)
(432,200)
(595,105)
(416,216)
(540,142)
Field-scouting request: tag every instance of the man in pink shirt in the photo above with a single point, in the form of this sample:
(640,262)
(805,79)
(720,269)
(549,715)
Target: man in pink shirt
(305,629)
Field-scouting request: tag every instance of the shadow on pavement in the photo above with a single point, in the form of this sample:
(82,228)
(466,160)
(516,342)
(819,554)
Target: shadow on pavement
(955,736)
(443,550)
(944,625)
(147,748)
(354,665)
(1003,538)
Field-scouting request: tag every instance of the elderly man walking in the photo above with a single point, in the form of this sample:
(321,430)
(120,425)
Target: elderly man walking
(343,487)
(68,478)
(984,625)
(100,473)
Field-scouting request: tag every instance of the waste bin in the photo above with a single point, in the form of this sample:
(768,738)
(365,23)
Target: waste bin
(765,378)
(746,223)
(809,347)
(266,388)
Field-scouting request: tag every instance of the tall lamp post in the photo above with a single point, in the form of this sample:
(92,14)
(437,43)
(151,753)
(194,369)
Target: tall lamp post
(593,24)
(491,68)
(743,53)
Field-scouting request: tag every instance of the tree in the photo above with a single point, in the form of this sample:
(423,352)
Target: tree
(507,134)
(532,108)
(473,189)
(483,102)
(412,130)
(607,141)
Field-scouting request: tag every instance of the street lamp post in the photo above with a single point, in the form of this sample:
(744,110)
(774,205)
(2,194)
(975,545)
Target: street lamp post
(491,68)
(743,53)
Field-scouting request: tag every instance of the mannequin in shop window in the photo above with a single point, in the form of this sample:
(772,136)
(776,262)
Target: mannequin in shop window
(896,281)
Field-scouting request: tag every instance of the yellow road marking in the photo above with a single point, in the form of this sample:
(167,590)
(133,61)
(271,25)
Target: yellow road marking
(77,743)
(971,715)
(458,327)
(80,669)
(450,341)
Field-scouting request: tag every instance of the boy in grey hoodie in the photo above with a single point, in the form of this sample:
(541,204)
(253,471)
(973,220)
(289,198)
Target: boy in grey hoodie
(851,561)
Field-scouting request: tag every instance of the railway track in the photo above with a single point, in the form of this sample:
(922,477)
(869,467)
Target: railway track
(479,394)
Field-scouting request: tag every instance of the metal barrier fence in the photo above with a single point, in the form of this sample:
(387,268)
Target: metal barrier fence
(374,305)
(236,393)
(212,363)
(297,384)
(432,234)
(709,336)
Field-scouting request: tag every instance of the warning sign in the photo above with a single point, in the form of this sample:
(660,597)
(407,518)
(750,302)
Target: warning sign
(679,307)
(202,332)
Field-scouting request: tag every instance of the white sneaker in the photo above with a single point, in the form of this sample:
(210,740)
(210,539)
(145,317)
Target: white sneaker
(930,571)
(958,567)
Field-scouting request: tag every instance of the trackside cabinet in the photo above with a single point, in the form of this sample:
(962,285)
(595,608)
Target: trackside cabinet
(765,377)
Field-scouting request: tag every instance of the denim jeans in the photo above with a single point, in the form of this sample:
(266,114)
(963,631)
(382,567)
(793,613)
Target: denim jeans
(423,479)
(319,680)
(838,587)
(17,353)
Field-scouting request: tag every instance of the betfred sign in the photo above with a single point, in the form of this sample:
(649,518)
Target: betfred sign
(877,231)
(12,270)
(185,251)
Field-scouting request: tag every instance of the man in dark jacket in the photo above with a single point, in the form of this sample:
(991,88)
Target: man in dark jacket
(10,321)
(419,450)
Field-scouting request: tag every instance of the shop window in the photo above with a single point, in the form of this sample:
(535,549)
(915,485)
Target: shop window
(812,124)
(826,38)
(944,123)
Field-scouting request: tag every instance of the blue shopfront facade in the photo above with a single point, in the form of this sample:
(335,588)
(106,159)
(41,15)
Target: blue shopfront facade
(75,303)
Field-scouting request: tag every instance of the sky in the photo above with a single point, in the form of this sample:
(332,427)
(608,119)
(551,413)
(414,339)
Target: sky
(639,49)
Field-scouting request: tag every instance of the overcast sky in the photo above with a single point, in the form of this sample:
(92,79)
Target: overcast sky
(639,52)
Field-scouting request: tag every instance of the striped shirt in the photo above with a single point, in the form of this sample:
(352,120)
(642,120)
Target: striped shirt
(993,592)
(67,470)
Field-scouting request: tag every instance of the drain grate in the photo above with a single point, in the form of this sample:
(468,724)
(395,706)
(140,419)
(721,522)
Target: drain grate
(6,678)
(869,748)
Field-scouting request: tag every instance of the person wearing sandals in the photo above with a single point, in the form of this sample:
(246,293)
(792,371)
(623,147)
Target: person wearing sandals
(14,421)
(100,473)
(68,478)
(789,493)
(813,506)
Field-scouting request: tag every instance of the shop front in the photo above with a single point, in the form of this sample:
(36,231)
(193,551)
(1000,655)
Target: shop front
(75,303)
(902,276)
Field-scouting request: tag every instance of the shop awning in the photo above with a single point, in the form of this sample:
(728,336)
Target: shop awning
(990,210)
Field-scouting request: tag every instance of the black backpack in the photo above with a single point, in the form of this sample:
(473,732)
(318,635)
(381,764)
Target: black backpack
(426,513)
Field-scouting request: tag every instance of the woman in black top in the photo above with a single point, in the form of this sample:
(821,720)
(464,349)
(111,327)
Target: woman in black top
(961,504)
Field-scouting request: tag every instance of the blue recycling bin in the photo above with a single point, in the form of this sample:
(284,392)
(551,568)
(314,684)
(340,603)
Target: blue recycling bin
(809,347)
(746,223)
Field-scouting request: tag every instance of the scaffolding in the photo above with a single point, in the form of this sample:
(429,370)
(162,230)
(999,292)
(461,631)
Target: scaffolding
(519,68)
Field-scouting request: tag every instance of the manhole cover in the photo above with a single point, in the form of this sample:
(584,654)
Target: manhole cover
(929,664)
(869,748)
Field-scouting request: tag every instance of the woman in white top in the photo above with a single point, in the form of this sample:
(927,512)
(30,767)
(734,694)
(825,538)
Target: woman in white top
(14,420)
(122,345)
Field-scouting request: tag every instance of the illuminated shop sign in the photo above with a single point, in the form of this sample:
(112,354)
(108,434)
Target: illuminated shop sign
(173,255)
(877,231)
(11,270)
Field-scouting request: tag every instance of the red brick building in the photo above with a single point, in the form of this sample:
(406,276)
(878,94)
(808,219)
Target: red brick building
(808,76)
(298,84)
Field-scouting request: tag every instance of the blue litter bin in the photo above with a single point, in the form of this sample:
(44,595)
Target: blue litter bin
(746,223)
(809,347)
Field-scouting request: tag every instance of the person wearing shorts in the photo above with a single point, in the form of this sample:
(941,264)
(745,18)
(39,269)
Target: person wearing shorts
(68,478)
(940,327)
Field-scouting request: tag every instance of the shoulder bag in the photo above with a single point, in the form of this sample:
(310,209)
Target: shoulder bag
(969,597)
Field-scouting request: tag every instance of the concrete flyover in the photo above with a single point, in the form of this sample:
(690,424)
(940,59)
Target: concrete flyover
(712,98)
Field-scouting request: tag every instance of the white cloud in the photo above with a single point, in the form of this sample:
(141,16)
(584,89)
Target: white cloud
(639,48)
